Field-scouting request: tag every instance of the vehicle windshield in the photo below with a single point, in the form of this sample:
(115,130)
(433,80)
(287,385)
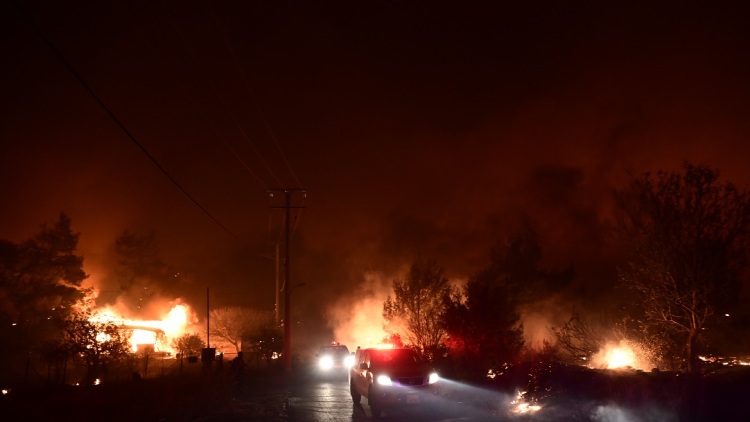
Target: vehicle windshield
(395,357)
(334,350)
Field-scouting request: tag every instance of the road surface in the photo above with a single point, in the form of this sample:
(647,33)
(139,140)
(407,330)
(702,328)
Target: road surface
(326,399)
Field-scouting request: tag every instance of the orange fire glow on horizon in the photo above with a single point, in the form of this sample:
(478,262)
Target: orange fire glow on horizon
(359,321)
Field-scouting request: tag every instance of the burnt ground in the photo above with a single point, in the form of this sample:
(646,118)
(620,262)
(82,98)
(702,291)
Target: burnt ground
(187,397)
(565,393)
(569,392)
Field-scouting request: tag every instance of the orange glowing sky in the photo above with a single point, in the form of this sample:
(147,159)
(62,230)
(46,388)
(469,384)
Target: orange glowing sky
(416,131)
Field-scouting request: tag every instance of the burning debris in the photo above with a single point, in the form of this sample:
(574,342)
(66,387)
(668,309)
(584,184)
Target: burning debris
(726,360)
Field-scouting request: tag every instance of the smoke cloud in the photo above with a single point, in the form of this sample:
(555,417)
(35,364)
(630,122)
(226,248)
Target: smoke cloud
(615,413)
(357,320)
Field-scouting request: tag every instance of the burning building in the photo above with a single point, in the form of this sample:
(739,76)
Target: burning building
(154,335)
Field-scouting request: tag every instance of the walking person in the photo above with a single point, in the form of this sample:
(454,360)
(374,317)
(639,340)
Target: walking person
(237,369)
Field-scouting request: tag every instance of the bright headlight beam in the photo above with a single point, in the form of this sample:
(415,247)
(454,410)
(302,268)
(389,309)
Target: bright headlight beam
(434,377)
(349,361)
(384,380)
(325,362)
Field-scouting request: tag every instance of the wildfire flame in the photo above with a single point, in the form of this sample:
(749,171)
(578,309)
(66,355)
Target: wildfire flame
(621,355)
(520,405)
(145,332)
(359,322)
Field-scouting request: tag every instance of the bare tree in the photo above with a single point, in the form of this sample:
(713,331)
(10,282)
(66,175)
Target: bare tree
(580,338)
(686,235)
(417,306)
(233,323)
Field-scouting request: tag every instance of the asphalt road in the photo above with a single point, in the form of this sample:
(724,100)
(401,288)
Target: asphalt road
(326,399)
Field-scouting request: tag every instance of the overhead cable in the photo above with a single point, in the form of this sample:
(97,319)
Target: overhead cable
(252,96)
(114,118)
(223,102)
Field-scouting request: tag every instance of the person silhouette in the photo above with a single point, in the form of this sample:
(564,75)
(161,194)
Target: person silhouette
(237,368)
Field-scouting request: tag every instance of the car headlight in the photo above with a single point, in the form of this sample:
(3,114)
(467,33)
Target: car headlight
(384,380)
(325,362)
(349,361)
(434,377)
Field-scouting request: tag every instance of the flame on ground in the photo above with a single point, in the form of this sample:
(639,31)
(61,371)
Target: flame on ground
(621,355)
(520,405)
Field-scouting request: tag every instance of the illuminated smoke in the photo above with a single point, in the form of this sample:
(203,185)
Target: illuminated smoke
(538,317)
(357,320)
(614,413)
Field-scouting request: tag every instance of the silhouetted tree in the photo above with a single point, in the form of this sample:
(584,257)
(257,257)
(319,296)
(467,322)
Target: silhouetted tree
(515,262)
(483,326)
(264,339)
(482,318)
(94,343)
(188,344)
(415,311)
(40,282)
(686,235)
(41,278)
(234,323)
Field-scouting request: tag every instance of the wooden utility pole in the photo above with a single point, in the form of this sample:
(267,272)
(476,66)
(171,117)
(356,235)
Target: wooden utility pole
(278,288)
(208,321)
(287,353)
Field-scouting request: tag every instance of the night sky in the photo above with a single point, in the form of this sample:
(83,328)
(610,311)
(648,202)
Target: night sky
(427,129)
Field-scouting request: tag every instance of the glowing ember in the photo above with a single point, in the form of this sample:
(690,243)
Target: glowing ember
(726,360)
(527,408)
(522,406)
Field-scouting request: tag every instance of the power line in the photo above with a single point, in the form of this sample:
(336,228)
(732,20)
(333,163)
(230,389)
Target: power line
(112,115)
(252,96)
(197,107)
(221,98)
